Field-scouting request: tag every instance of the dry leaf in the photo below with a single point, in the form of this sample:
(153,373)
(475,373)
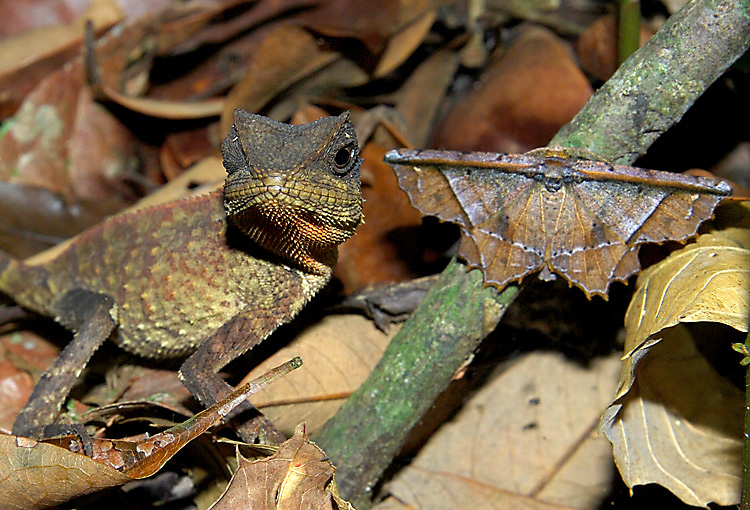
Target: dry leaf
(55,133)
(550,211)
(286,55)
(28,57)
(420,110)
(404,42)
(161,108)
(299,476)
(15,388)
(34,218)
(525,436)
(707,281)
(676,421)
(505,112)
(458,493)
(679,425)
(37,474)
(339,353)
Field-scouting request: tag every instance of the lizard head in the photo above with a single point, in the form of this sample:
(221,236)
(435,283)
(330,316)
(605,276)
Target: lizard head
(295,190)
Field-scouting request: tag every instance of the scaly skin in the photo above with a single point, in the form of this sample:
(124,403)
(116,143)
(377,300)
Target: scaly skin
(182,278)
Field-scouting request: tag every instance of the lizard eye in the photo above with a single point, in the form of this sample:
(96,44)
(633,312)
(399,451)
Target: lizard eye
(343,157)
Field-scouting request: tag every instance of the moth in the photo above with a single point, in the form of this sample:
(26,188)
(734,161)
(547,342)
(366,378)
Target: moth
(553,212)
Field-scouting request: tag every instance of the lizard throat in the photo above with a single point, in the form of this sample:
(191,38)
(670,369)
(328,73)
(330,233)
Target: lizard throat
(293,235)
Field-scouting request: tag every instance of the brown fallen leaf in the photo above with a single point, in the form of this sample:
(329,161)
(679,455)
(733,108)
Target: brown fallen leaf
(39,474)
(404,43)
(28,56)
(339,352)
(418,109)
(297,476)
(550,211)
(162,108)
(523,440)
(504,112)
(285,56)
(62,141)
(15,388)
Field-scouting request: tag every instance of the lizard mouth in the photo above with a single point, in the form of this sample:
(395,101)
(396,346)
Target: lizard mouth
(328,204)
(301,223)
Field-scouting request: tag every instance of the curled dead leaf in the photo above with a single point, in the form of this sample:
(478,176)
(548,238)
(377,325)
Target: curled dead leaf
(679,425)
(298,475)
(676,422)
(708,281)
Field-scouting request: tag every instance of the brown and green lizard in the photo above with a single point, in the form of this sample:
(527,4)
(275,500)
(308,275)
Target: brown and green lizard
(207,277)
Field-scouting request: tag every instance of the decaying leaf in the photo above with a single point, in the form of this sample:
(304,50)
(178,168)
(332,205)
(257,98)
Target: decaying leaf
(548,211)
(501,112)
(39,475)
(299,475)
(61,140)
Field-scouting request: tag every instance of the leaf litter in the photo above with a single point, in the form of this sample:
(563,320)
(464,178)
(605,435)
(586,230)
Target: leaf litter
(133,100)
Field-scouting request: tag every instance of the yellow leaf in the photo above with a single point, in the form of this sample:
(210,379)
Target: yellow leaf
(658,424)
(680,425)
(708,281)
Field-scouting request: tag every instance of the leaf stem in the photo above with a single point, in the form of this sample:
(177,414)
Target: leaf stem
(629,29)
(745,501)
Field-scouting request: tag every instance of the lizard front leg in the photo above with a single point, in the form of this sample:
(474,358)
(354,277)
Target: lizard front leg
(200,372)
(93,315)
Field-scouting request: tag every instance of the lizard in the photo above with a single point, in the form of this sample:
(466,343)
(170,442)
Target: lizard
(204,278)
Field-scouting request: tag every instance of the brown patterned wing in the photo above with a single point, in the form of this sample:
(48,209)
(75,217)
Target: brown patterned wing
(582,220)
(485,203)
